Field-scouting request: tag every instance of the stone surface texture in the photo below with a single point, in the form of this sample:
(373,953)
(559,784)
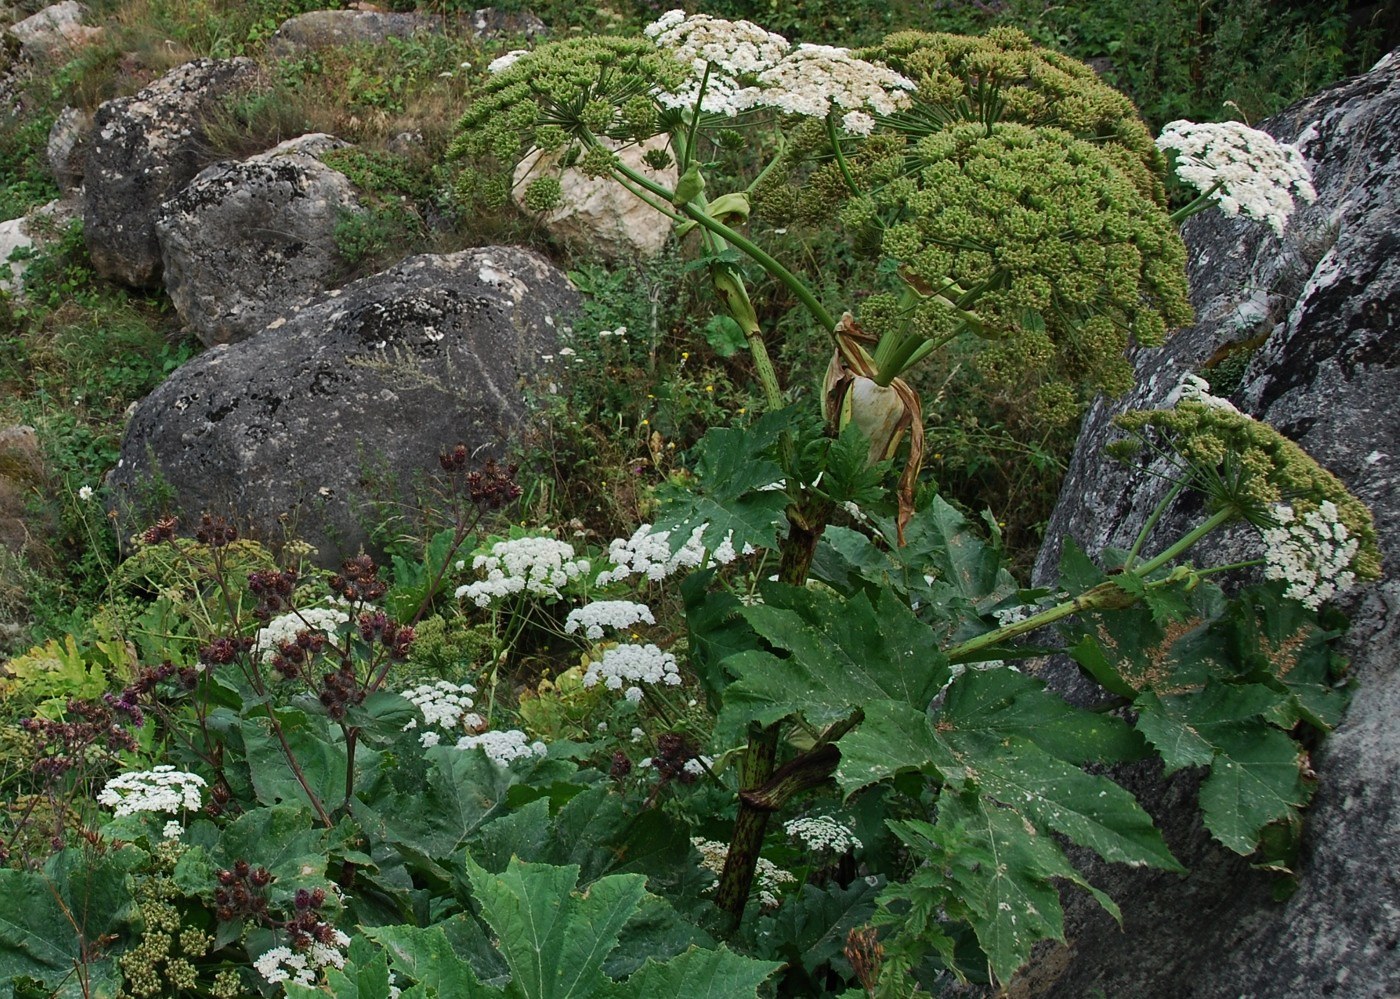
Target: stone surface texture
(67,148)
(143,150)
(54,32)
(28,233)
(246,242)
(598,212)
(350,399)
(321,29)
(1318,310)
(492,22)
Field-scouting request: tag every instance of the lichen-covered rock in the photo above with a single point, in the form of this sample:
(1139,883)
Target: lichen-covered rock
(143,150)
(298,429)
(67,148)
(492,22)
(596,212)
(54,32)
(1315,314)
(28,234)
(320,29)
(247,242)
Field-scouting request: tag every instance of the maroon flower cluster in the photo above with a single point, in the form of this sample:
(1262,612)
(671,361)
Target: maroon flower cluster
(216,532)
(340,691)
(222,651)
(274,591)
(358,580)
(242,892)
(63,745)
(162,530)
(379,628)
(306,924)
(291,658)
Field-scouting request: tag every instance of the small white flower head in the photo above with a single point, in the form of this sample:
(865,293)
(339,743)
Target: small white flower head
(324,620)
(822,834)
(172,830)
(282,964)
(768,876)
(504,746)
(444,704)
(502,63)
(631,666)
(600,614)
(1313,553)
(1194,388)
(1251,172)
(85,493)
(162,790)
(647,554)
(535,566)
(814,80)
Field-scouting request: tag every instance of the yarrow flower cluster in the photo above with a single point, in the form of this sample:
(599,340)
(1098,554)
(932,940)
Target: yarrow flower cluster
(1194,388)
(630,665)
(502,747)
(163,790)
(1249,172)
(750,67)
(1313,553)
(600,614)
(286,628)
(822,834)
(444,704)
(647,553)
(768,876)
(282,964)
(537,566)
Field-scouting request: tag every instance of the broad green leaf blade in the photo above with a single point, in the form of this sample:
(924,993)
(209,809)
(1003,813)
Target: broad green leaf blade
(893,738)
(716,631)
(43,912)
(554,939)
(696,974)
(940,540)
(281,839)
(1256,779)
(1004,702)
(426,956)
(811,927)
(319,750)
(1171,735)
(1011,900)
(841,654)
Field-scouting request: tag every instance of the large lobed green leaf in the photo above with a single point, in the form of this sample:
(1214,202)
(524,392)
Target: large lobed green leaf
(837,656)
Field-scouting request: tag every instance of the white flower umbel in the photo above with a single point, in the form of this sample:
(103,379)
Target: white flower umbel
(822,834)
(600,614)
(1194,388)
(631,665)
(1249,172)
(288,626)
(163,790)
(1313,553)
(768,876)
(813,80)
(536,566)
(502,747)
(649,554)
(502,63)
(282,964)
(733,52)
(444,705)
(85,493)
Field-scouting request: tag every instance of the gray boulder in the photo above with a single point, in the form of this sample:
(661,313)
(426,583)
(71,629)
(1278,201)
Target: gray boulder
(247,242)
(320,29)
(493,22)
(301,428)
(67,148)
(54,32)
(1315,314)
(143,150)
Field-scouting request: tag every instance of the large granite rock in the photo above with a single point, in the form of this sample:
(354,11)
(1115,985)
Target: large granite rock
(143,150)
(1317,311)
(247,242)
(320,29)
(349,400)
(54,32)
(28,234)
(596,212)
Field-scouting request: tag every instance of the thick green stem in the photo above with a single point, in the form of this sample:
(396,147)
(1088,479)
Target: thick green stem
(835,139)
(1156,515)
(1203,201)
(1102,597)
